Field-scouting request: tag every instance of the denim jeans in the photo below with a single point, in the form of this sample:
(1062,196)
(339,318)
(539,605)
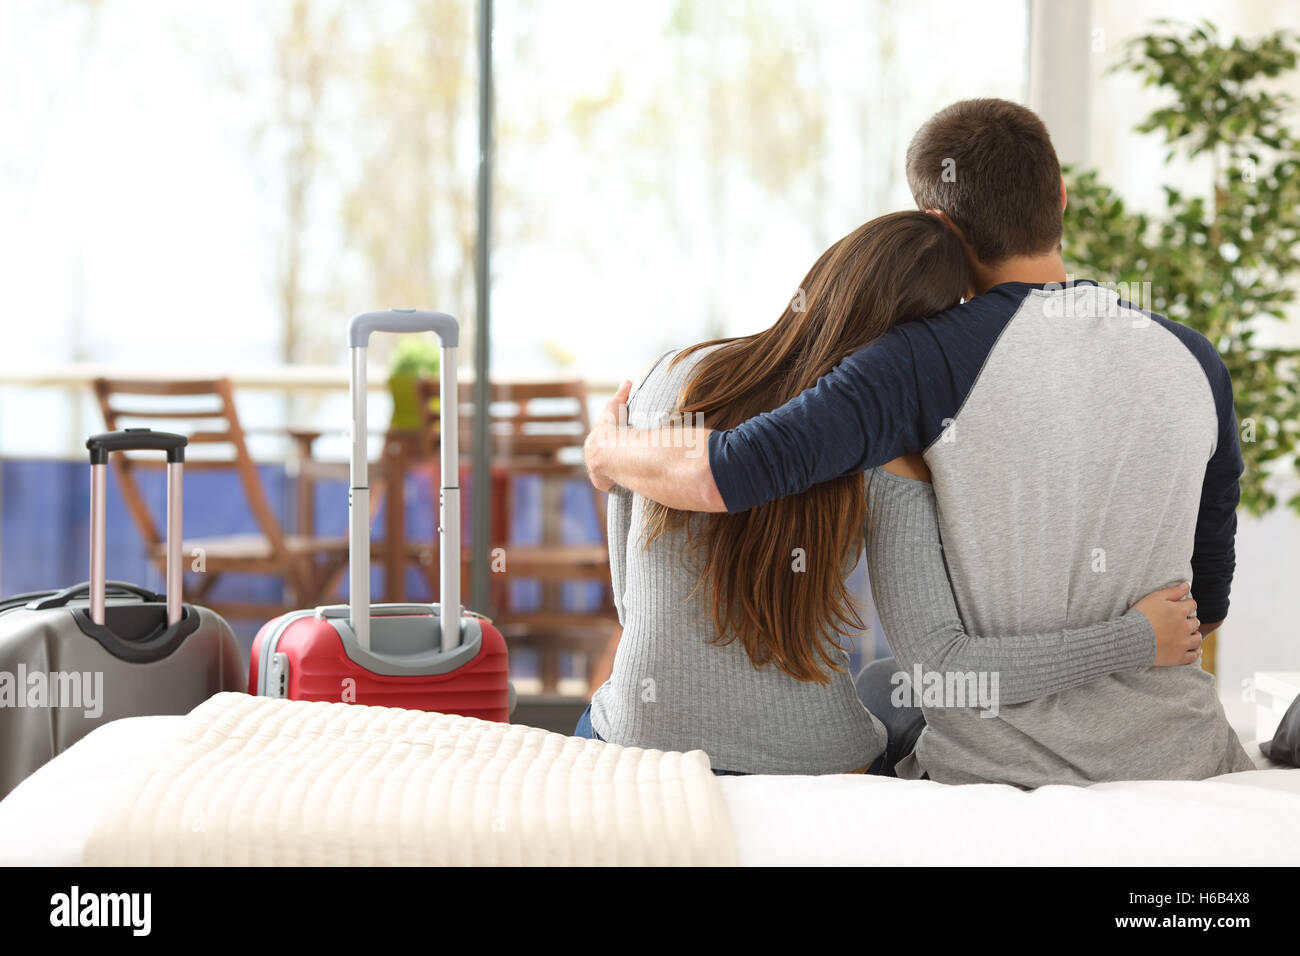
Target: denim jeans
(584,728)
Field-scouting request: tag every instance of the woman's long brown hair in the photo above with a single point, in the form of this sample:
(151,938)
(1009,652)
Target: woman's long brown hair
(896,268)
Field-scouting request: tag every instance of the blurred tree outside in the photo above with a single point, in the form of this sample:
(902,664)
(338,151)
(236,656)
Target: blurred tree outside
(302,67)
(748,90)
(408,208)
(746,132)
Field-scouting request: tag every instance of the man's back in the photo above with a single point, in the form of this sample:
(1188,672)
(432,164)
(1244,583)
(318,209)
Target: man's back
(1069,484)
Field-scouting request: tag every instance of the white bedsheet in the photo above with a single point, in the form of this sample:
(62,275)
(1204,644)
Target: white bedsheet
(1241,819)
(48,818)
(1248,818)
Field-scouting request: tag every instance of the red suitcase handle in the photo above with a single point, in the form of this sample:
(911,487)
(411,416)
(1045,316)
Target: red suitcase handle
(448,332)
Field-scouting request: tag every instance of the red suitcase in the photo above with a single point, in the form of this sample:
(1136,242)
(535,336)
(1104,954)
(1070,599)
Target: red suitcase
(391,655)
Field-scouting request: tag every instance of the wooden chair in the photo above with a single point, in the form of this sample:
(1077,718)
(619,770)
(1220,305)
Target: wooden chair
(536,430)
(307,564)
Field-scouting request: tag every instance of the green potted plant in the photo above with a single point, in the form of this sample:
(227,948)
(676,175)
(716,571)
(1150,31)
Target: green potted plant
(1223,262)
(414,358)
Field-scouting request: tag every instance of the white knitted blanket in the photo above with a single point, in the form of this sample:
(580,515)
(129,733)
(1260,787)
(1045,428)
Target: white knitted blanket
(257,781)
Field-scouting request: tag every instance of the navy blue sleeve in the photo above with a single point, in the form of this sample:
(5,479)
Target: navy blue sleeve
(862,413)
(1214,557)
(892,398)
(1214,554)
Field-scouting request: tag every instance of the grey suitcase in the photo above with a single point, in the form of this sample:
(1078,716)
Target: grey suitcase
(74,659)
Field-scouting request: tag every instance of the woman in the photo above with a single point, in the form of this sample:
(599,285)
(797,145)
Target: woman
(734,624)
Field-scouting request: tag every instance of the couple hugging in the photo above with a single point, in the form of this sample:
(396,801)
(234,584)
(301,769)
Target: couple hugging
(1043,477)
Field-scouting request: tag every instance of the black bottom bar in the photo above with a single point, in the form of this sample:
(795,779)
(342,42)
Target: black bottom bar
(916,906)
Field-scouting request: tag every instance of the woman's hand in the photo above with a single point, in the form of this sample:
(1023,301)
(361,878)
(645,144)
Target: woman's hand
(1173,617)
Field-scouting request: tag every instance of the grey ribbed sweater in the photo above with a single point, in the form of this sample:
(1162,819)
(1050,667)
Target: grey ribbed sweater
(672,690)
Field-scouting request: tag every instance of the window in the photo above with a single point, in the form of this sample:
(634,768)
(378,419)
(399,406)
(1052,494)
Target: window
(668,171)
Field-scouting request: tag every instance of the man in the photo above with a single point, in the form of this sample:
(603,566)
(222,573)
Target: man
(1083,453)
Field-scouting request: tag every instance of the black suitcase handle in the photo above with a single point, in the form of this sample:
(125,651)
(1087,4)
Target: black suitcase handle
(136,439)
(113,588)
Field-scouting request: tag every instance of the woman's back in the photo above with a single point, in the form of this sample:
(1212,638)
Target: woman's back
(671,689)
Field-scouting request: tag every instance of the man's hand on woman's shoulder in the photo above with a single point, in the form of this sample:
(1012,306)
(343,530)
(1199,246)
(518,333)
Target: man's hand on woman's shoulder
(669,465)
(603,434)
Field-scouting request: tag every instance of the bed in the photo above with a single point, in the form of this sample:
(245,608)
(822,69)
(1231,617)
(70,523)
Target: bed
(249,780)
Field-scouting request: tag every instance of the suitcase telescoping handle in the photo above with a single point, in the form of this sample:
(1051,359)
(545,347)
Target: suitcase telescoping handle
(448,331)
(134,439)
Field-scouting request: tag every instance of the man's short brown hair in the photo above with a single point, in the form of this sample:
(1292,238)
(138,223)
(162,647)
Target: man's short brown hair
(990,166)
